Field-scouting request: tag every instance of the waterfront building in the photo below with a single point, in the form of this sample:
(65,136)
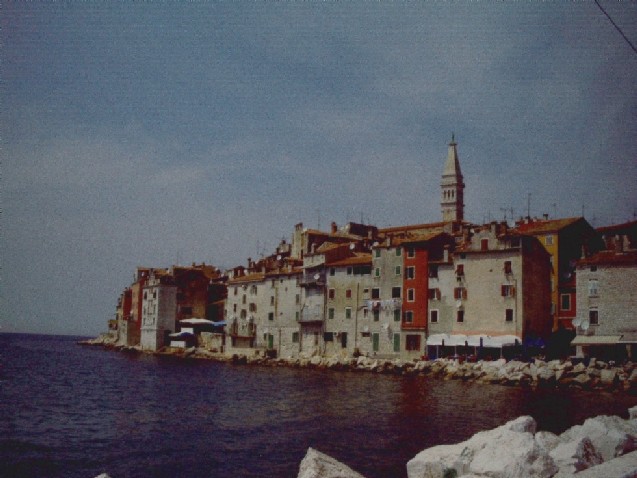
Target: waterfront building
(159,310)
(349,328)
(564,240)
(122,314)
(422,255)
(606,322)
(387,295)
(496,292)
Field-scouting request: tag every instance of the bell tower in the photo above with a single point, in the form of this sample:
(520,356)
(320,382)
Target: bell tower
(452,185)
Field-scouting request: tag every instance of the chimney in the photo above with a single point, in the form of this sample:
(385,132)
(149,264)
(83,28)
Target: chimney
(445,253)
(334,227)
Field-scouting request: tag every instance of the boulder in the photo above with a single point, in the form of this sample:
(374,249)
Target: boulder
(608,377)
(319,465)
(611,436)
(547,440)
(507,451)
(576,455)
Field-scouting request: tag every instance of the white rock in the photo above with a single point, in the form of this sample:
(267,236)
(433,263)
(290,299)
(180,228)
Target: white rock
(547,440)
(576,455)
(512,454)
(319,465)
(507,451)
(611,436)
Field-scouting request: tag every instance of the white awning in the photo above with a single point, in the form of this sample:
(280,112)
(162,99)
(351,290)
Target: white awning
(194,320)
(596,340)
(453,340)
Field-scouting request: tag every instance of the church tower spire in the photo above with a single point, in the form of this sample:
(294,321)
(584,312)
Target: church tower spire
(452,186)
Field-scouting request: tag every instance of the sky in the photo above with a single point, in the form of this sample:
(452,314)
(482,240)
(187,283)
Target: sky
(160,133)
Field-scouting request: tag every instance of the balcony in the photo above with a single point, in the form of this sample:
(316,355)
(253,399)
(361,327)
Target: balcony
(312,279)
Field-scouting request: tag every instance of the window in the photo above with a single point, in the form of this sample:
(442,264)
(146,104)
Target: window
(398,270)
(270,315)
(433,272)
(593,268)
(396,342)
(376,315)
(297,299)
(395,292)
(433,316)
(252,307)
(348,294)
(411,295)
(296,315)
(271,300)
(253,290)
(295,337)
(234,308)
(349,271)
(459,293)
(593,317)
(434,294)
(396,315)
(375,293)
(365,312)
(332,271)
(375,342)
(331,294)
(508,315)
(328,336)
(377,272)
(411,252)
(548,240)
(507,290)
(330,313)
(507,267)
(593,288)
(348,312)
(399,251)
(460,316)
(244,314)
(243,299)
(460,270)
(484,244)
(412,342)
(377,253)
(236,290)
(410,272)
(565,301)
(409,316)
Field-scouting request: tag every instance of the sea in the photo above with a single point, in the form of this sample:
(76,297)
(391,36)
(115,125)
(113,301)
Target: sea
(77,411)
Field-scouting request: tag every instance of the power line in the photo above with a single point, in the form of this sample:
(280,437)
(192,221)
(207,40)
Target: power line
(615,25)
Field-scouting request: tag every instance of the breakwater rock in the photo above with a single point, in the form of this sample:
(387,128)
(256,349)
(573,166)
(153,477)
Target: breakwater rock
(602,446)
(597,375)
(594,375)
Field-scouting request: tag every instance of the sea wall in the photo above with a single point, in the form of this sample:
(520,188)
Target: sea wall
(595,375)
(601,446)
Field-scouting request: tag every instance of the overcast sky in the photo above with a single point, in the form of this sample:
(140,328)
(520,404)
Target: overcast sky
(156,133)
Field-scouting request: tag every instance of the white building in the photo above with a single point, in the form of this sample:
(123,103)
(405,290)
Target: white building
(159,310)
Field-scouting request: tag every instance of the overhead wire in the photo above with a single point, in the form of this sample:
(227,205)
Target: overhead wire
(616,26)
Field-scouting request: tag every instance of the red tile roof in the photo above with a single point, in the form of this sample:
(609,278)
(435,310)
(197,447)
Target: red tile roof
(351,261)
(611,258)
(541,226)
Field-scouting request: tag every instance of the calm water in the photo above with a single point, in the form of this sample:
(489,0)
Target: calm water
(71,411)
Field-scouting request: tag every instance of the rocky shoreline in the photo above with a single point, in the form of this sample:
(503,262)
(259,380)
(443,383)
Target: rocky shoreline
(603,446)
(596,375)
